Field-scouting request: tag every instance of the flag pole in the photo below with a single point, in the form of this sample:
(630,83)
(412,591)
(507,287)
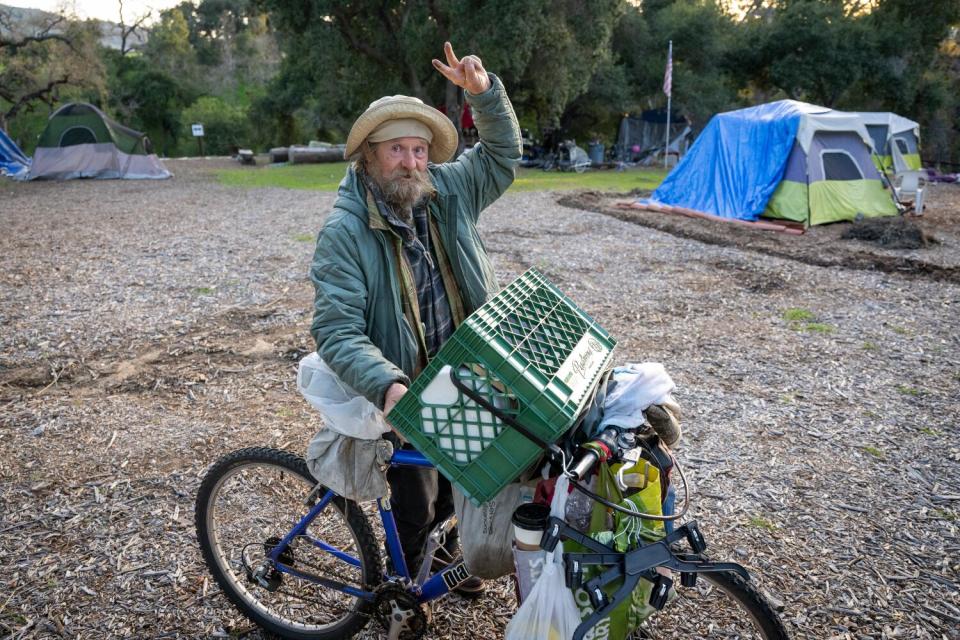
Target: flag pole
(669,90)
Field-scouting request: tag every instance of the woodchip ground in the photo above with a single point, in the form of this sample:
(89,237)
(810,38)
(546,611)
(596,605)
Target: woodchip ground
(151,327)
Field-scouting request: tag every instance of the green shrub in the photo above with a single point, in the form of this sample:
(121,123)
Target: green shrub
(225,126)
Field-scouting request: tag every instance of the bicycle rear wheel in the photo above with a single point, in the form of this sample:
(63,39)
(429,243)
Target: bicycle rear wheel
(719,605)
(247,502)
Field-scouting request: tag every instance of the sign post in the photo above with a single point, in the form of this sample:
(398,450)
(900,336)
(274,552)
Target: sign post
(197,130)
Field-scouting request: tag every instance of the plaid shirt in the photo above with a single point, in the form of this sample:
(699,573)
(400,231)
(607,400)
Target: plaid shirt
(432,300)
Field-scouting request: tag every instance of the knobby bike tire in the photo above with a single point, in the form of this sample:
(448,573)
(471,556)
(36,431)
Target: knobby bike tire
(743,596)
(251,598)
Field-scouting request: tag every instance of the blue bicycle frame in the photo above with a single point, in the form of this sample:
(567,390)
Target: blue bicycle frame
(438,585)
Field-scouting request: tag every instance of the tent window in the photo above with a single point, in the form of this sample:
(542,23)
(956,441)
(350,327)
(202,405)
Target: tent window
(902,145)
(839,165)
(878,132)
(77,135)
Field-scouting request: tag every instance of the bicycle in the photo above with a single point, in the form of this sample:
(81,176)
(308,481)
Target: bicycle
(305,563)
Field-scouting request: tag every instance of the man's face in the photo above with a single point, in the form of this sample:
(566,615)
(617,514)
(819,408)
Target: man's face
(402,155)
(400,168)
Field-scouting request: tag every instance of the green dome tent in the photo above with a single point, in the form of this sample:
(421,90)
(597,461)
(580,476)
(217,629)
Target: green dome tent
(80,141)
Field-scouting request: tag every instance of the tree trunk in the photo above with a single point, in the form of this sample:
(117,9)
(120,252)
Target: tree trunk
(453,102)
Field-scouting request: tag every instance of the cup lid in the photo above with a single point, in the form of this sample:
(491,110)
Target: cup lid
(531,516)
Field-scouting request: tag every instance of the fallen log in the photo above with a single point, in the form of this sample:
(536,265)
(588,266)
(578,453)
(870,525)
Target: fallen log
(308,155)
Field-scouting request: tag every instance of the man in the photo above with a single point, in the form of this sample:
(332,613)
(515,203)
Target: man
(399,263)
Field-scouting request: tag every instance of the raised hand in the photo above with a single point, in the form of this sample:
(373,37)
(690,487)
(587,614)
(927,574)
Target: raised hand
(466,72)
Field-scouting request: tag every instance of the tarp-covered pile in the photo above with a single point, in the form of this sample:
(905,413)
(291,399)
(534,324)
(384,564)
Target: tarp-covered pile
(13,162)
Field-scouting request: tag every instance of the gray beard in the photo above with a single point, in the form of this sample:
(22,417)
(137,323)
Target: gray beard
(403,189)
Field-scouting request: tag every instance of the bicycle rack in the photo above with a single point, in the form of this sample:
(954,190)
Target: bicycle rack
(631,567)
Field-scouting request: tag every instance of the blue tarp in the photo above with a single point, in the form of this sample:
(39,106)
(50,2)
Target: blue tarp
(737,162)
(12,160)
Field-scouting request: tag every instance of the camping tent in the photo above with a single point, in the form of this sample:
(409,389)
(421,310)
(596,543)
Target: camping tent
(12,161)
(786,159)
(80,141)
(647,133)
(896,140)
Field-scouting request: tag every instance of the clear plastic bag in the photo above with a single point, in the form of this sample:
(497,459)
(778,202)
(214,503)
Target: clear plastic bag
(344,410)
(549,612)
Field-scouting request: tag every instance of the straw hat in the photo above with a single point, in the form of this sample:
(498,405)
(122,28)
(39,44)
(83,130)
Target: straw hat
(443,145)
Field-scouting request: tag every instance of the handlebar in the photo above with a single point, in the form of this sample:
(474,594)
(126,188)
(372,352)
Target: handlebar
(613,443)
(583,464)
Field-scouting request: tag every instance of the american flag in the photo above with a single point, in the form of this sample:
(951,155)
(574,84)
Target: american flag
(668,74)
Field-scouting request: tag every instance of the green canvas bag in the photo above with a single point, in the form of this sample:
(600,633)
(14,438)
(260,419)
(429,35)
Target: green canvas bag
(623,533)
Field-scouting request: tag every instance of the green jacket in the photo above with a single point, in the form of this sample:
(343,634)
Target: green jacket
(358,320)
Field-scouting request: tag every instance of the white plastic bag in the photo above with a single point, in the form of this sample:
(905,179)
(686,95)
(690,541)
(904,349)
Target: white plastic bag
(549,612)
(344,410)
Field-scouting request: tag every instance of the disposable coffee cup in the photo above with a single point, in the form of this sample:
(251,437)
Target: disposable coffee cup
(529,521)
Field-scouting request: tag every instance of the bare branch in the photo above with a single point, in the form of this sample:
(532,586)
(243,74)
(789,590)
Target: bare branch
(43,93)
(13,46)
(13,43)
(129,30)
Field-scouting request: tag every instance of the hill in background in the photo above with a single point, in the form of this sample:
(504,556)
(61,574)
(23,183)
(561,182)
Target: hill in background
(22,20)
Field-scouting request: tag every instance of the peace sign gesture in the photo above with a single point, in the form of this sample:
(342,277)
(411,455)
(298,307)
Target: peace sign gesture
(466,72)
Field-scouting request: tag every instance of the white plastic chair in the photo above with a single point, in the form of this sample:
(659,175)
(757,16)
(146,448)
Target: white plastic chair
(910,184)
(899,162)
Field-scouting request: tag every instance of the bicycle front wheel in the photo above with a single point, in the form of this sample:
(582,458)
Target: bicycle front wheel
(248,501)
(719,605)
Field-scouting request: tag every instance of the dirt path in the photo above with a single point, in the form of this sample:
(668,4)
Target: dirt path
(149,328)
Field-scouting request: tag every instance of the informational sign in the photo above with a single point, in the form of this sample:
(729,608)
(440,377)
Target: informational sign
(197,130)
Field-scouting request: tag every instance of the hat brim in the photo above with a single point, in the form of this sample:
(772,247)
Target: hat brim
(442,147)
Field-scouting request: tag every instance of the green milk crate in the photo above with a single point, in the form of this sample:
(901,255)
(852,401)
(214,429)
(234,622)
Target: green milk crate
(529,353)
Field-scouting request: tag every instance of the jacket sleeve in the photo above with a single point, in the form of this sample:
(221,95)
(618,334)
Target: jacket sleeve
(483,173)
(339,317)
